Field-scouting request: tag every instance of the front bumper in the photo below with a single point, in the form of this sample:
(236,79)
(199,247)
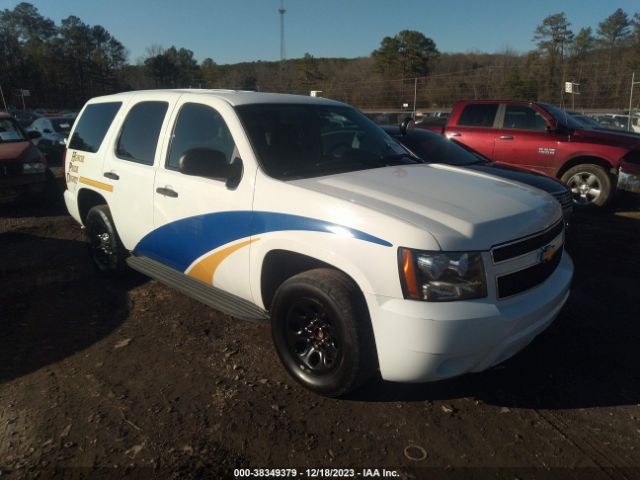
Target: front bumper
(421,342)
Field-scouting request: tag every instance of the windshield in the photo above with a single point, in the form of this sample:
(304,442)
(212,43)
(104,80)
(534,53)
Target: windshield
(62,125)
(434,148)
(588,121)
(10,131)
(302,141)
(561,116)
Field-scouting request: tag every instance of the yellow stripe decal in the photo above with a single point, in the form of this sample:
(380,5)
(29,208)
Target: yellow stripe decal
(94,183)
(205,269)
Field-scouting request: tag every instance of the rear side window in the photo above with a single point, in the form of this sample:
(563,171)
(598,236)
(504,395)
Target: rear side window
(199,126)
(139,136)
(521,117)
(478,115)
(93,126)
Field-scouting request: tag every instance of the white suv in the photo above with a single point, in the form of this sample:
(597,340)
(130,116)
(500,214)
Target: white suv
(302,212)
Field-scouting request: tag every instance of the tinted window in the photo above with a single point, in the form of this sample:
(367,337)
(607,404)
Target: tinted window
(61,125)
(295,141)
(140,131)
(93,126)
(434,148)
(479,115)
(199,126)
(523,118)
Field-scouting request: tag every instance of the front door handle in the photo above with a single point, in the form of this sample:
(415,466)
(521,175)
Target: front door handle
(167,192)
(111,175)
(506,137)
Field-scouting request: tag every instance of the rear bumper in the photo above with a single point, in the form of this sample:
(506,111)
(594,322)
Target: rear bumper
(421,342)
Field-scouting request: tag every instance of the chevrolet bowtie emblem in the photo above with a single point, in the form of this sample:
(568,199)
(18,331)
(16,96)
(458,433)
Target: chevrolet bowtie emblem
(547,252)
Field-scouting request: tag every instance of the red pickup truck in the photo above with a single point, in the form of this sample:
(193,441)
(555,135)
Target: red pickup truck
(546,139)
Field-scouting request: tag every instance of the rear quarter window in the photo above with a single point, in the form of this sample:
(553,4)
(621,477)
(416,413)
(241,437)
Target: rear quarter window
(93,125)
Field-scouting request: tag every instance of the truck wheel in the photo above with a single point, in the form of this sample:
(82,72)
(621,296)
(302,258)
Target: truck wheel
(105,248)
(322,332)
(590,185)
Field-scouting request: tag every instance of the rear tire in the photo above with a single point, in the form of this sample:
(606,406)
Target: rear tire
(105,248)
(590,185)
(322,332)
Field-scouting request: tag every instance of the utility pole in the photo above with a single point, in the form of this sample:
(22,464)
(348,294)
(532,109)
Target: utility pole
(415,96)
(282,11)
(633,82)
(283,53)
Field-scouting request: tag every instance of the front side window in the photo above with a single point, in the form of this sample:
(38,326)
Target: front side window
(478,115)
(62,125)
(93,126)
(521,117)
(10,131)
(140,131)
(199,126)
(302,140)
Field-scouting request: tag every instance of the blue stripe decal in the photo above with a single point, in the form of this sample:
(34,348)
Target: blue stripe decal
(204,233)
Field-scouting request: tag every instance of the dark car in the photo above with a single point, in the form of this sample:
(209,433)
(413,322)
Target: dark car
(434,148)
(23,168)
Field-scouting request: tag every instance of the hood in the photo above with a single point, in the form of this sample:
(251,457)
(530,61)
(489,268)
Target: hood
(608,137)
(462,209)
(527,177)
(21,151)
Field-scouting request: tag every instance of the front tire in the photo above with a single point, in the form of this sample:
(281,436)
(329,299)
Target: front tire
(590,185)
(322,332)
(105,248)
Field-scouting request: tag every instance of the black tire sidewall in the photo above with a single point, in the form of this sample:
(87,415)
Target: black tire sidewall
(344,377)
(604,178)
(100,218)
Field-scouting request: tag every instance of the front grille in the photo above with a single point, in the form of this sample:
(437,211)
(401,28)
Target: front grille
(522,280)
(10,169)
(526,245)
(565,199)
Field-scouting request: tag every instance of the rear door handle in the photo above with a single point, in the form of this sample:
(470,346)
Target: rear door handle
(506,137)
(454,134)
(111,175)
(167,192)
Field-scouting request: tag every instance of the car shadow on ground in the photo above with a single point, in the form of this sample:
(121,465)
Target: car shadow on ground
(51,204)
(52,303)
(588,357)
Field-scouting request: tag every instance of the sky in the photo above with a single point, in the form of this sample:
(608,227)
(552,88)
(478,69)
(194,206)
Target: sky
(249,30)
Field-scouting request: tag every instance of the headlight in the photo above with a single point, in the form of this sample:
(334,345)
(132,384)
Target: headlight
(33,167)
(441,276)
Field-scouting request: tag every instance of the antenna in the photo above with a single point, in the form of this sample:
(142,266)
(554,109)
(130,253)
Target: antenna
(282,11)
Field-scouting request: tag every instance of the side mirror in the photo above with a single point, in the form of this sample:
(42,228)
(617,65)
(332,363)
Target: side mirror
(34,134)
(552,126)
(407,125)
(208,163)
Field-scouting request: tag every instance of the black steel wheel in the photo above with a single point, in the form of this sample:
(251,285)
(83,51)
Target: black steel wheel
(105,248)
(322,332)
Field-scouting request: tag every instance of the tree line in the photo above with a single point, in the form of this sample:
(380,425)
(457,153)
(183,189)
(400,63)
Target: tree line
(62,65)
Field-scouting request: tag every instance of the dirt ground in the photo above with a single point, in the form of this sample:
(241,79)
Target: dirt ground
(102,378)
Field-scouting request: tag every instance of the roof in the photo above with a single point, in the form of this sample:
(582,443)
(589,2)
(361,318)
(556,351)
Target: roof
(233,97)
